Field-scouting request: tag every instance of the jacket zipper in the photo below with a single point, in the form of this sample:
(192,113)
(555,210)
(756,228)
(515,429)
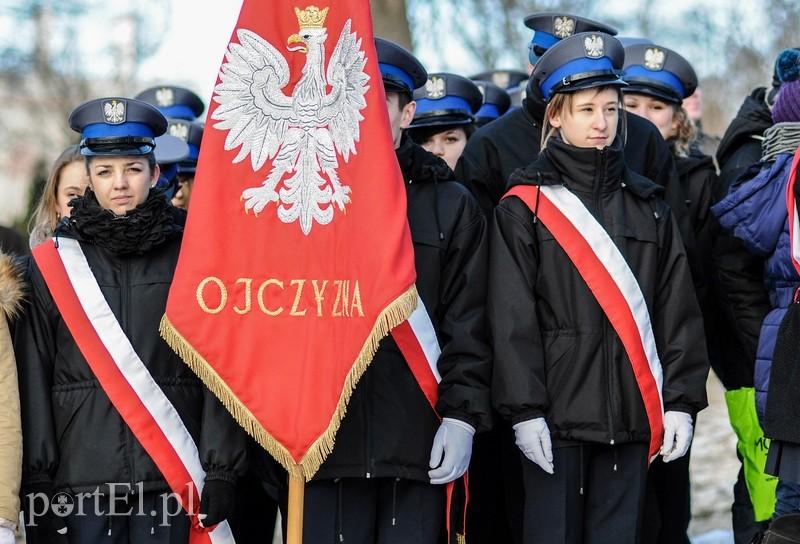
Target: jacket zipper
(600,178)
(124,314)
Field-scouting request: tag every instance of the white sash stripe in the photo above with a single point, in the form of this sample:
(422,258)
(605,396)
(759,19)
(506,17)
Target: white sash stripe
(131,366)
(423,329)
(608,253)
(795,234)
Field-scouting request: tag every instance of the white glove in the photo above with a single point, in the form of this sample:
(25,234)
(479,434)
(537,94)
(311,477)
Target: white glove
(451,451)
(678,431)
(533,439)
(7,536)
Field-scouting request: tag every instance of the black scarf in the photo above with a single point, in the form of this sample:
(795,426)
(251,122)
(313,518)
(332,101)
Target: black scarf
(420,166)
(150,224)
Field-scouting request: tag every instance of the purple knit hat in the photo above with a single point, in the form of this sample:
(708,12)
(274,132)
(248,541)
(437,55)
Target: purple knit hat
(787,105)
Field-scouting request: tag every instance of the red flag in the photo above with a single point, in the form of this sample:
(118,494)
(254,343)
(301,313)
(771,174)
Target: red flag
(297,257)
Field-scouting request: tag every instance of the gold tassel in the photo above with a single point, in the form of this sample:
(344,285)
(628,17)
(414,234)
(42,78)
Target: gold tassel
(395,313)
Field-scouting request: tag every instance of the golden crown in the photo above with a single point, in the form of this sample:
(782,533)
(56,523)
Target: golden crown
(311,17)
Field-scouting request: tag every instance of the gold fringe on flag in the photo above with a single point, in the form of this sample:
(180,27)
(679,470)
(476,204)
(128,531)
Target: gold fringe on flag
(395,313)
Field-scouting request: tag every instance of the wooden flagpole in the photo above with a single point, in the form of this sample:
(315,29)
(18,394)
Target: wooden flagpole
(294,525)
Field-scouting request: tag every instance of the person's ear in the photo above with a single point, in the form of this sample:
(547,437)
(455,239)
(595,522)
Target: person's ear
(555,120)
(408,114)
(155,176)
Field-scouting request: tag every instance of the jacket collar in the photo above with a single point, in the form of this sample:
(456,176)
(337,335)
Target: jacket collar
(420,166)
(587,170)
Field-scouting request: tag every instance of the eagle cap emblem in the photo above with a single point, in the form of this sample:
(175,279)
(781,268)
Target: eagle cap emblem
(501,79)
(563,27)
(435,87)
(114,112)
(654,59)
(594,47)
(165,97)
(179,130)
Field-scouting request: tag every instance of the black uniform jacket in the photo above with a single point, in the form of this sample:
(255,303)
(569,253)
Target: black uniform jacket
(740,147)
(698,179)
(73,436)
(496,150)
(555,353)
(737,283)
(389,427)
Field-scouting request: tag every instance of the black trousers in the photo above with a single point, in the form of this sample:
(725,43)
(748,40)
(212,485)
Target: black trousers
(150,518)
(256,512)
(595,496)
(378,510)
(494,513)
(668,508)
(743,518)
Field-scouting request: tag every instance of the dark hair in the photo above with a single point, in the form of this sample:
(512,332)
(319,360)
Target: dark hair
(403,98)
(421,134)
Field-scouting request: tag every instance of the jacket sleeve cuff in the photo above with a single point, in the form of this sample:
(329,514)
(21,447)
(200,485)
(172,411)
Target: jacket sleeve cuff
(462,417)
(526,416)
(222,475)
(37,479)
(680,407)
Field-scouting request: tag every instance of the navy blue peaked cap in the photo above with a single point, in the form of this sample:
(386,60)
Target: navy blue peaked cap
(401,71)
(659,72)
(190,132)
(446,99)
(117,126)
(174,101)
(506,79)
(550,27)
(496,102)
(582,61)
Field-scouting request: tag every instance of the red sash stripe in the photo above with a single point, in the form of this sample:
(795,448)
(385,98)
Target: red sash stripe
(419,345)
(794,219)
(119,390)
(608,290)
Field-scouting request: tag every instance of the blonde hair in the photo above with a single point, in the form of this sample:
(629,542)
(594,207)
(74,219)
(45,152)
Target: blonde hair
(685,132)
(45,217)
(562,102)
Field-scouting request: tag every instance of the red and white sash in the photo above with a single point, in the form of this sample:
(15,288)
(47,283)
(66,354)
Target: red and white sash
(607,274)
(125,379)
(416,338)
(419,345)
(794,219)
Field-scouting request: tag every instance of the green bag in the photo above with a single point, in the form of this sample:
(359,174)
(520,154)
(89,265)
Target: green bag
(753,447)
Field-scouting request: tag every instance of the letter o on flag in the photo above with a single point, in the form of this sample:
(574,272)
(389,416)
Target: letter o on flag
(223,295)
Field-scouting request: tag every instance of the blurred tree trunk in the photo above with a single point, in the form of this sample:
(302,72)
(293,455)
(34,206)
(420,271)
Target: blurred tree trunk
(391,22)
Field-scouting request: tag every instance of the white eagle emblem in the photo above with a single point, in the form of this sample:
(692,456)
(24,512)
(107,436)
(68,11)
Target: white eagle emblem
(435,88)
(179,130)
(563,27)
(165,97)
(303,132)
(114,112)
(501,79)
(654,58)
(594,46)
